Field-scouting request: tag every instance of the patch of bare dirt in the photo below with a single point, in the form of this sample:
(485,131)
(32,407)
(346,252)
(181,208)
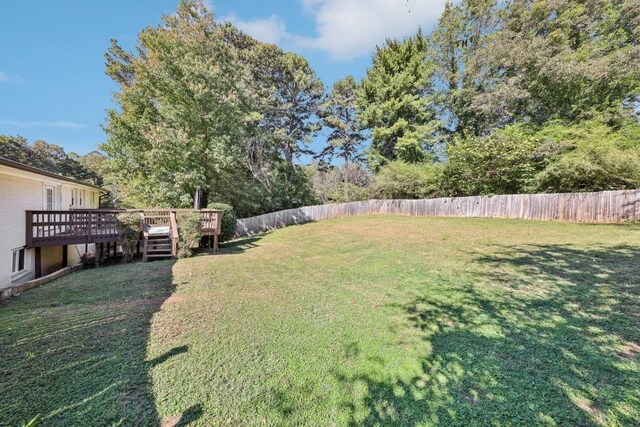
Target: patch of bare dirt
(138,303)
(173,299)
(587,406)
(629,351)
(471,395)
(170,421)
(158,273)
(149,302)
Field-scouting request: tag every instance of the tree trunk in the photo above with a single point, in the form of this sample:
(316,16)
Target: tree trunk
(288,156)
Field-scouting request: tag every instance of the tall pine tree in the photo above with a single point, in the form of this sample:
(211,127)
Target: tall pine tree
(395,100)
(462,30)
(339,115)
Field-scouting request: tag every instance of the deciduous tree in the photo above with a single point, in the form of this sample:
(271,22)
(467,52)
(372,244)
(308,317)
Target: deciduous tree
(182,113)
(560,59)
(50,157)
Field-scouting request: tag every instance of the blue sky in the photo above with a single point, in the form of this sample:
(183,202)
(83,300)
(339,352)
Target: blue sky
(52,81)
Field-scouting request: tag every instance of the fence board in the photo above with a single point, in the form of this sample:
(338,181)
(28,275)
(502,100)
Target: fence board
(599,207)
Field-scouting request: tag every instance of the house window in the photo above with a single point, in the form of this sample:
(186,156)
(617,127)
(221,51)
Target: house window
(82,198)
(74,197)
(19,261)
(49,198)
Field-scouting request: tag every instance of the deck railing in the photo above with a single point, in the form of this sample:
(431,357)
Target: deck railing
(211,221)
(58,228)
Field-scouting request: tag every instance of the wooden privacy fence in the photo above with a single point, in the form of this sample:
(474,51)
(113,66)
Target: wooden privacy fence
(600,207)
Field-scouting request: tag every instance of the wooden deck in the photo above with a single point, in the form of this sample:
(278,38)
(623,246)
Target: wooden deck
(58,228)
(76,227)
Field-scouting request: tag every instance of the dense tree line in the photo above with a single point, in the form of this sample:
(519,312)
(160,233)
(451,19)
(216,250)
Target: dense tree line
(531,96)
(527,96)
(501,97)
(53,158)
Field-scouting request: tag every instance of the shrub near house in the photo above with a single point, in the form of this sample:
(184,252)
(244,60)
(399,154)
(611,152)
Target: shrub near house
(228,220)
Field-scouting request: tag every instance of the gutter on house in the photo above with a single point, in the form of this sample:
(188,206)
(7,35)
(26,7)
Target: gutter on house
(10,163)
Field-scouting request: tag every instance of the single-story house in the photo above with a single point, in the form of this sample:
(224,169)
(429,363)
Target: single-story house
(24,189)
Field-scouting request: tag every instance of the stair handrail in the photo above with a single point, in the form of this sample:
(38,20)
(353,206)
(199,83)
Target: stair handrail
(174,233)
(145,226)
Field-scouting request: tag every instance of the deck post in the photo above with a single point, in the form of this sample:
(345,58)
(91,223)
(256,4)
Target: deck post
(218,231)
(101,252)
(89,227)
(144,254)
(65,256)
(38,262)
(29,229)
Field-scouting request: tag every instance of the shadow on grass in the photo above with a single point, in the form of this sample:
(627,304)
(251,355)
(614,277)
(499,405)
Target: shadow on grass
(240,245)
(74,352)
(547,335)
(190,415)
(168,355)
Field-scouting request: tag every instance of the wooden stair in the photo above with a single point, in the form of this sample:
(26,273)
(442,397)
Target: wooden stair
(158,246)
(160,231)
(160,235)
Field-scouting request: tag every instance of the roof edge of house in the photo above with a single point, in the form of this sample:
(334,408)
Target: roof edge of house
(17,165)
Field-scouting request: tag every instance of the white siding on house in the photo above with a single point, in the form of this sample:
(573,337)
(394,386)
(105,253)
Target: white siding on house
(21,191)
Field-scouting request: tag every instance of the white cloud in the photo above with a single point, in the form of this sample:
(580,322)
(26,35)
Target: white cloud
(268,30)
(347,29)
(61,124)
(11,78)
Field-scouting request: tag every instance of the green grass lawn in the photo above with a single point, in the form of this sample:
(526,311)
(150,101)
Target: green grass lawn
(374,320)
